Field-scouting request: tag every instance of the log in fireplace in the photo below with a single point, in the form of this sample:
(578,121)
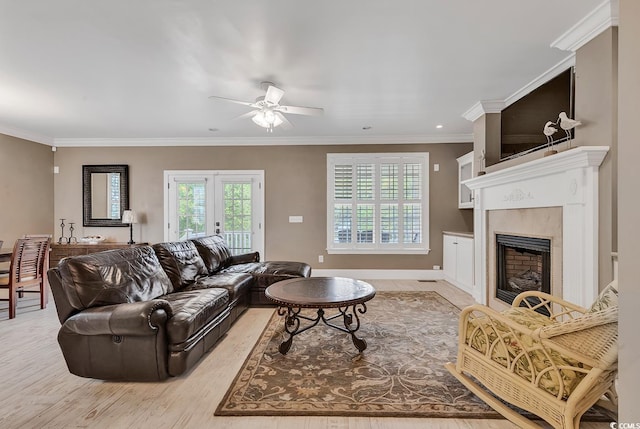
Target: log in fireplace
(522,264)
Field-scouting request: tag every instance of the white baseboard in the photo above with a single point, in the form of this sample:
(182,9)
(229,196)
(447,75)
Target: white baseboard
(380,274)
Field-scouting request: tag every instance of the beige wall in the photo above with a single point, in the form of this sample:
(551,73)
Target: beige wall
(295,184)
(629,208)
(596,107)
(26,189)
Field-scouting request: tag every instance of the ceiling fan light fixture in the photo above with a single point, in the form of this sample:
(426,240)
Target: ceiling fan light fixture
(267,118)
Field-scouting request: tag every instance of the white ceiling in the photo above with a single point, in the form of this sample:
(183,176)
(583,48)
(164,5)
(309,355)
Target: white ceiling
(73,70)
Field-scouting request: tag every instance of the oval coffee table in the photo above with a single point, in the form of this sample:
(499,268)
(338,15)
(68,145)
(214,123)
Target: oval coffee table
(347,295)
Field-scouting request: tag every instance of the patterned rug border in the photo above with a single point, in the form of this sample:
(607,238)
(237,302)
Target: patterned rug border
(263,341)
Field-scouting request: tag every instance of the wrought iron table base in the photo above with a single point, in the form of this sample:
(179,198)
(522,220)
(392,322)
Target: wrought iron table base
(293,325)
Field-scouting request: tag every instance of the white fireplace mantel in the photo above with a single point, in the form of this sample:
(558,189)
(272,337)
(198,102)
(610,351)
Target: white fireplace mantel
(569,180)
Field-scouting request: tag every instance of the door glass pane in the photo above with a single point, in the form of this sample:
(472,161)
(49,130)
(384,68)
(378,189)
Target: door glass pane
(191,210)
(237,217)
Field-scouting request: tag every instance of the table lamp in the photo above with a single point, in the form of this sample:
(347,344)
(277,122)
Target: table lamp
(129,216)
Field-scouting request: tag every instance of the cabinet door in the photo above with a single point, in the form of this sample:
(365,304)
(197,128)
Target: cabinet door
(449,257)
(465,263)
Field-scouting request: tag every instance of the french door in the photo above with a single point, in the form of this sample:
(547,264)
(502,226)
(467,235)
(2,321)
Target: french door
(225,202)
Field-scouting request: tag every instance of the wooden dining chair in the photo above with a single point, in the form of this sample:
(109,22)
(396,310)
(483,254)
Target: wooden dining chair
(26,272)
(46,264)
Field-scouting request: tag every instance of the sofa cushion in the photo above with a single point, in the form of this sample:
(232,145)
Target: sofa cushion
(236,284)
(269,272)
(113,277)
(214,252)
(181,261)
(192,310)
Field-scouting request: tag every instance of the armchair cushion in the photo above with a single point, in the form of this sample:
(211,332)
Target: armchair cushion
(606,299)
(524,353)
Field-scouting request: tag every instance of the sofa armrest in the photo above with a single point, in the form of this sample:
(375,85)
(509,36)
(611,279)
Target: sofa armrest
(558,308)
(244,258)
(135,319)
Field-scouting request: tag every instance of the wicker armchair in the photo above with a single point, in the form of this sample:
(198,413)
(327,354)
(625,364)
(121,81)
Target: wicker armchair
(544,355)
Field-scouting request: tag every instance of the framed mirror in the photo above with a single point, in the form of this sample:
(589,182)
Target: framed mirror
(105,194)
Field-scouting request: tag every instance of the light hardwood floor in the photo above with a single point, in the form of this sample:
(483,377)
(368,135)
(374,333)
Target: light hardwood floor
(37,391)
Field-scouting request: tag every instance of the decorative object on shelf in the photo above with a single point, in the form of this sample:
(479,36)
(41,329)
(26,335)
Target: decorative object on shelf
(92,239)
(482,159)
(72,239)
(549,131)
(62,239)
(567,124)
(129,216)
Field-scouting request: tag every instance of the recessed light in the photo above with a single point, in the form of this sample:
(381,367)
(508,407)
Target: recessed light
(438,126)
(366,128)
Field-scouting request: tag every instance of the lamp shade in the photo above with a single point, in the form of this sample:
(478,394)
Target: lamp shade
(129,216)
(267,118)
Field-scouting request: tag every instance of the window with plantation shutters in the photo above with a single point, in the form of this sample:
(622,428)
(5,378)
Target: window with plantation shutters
(377,203)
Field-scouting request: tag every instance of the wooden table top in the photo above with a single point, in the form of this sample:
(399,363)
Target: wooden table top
(320,292)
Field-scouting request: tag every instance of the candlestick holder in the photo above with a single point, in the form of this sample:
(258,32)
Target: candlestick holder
(62,239)
(72,239)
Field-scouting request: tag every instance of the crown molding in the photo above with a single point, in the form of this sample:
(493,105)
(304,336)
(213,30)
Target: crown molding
(602,17)
(496,106)
(26,135)
(262,141)
(552,72)
(482,108)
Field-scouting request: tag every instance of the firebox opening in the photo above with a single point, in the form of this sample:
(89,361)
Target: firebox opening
(522,264)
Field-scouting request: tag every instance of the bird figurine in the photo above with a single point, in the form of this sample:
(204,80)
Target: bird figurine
(549,130)
(567,124)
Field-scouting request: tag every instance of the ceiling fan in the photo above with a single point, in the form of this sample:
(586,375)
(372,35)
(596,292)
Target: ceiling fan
(268,112)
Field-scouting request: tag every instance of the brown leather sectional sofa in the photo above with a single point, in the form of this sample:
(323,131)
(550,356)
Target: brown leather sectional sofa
(149,312)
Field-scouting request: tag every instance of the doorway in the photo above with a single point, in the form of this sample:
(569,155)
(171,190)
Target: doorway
(225,202)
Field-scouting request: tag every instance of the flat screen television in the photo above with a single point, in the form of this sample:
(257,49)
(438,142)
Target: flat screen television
(522,122)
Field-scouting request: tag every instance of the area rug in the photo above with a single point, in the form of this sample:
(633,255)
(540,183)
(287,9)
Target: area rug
(410,336)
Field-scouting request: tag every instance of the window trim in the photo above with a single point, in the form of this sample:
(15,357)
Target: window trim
(378,248)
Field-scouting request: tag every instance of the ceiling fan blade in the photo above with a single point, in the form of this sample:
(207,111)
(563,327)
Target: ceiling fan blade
(299,110)
(274,95)
(247,115)
(244,103)
(285,122)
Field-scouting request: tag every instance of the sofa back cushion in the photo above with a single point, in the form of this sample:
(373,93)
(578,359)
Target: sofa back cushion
(181,261)
(113,277)
(214,251)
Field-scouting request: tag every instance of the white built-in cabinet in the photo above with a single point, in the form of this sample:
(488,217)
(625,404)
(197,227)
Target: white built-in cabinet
(465,172)
(457,264)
